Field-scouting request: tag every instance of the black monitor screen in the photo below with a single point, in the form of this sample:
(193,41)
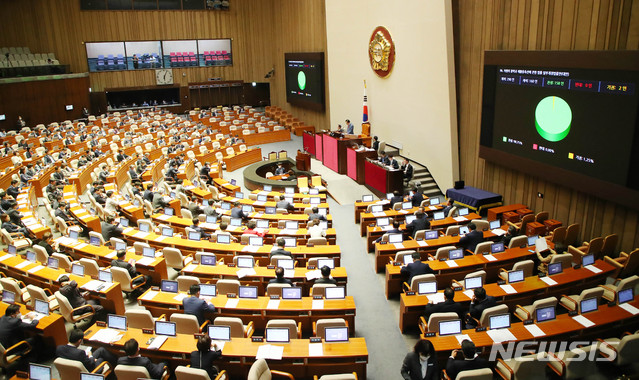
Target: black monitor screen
(305,79)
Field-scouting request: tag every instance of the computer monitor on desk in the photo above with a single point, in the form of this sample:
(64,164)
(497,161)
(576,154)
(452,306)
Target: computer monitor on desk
(77,269)
(195,235)
(120,245)
(277,335)
(91,376)
(434,201)
(167,231)
(335,293)
(554,268)
(395,238)
(8,297)
(165,328)
(222,333)
(588,260)
(515,276)
(293,293)
(169,286)
(168,211)
(494,224)
(439,215)
(105,276)
(208,260)
(429,287)
(473,282)
(625,295)
(39,372)
(53,263)
(208,290)
(326,262)
(267,188)
(453,327)
(223,238)
(367,198)
(588,305)
(410,218)
(544,314)
(377,208)
(117,322)
(500,321)
(148,252)
(456,254)
(245,262)
(497,248)
(248,292)
(286,263)
(336,334)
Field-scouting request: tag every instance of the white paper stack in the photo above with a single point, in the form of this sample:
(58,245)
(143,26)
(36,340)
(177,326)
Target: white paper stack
(469,293)
(422,243)
(231,303)
(451,263)
(629,308)
(501,335)
(315,349)
(462,337)
(593,269)
(310,275)
(490,258)
(111,254)
(548,281)
(460,218)
(92,285)
(157,342)
(317,304)
(398,245)
(498,231)
(269,351)
(190,268)
(508,289)
(273,304)
(149,295)
(436,297)
(180,296)
(379,214)
(107,336)
(535,330)
(163,217)
(141,235)
(250,248)
(245,272)
(145,261)
(23,264)
(583,321)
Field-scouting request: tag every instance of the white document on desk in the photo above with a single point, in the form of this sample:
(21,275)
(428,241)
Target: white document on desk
(269,351)
(508,289)
(163,217)
(498,231)
(80,246)
(460,218)
(29,221)
(548,280)
(245,272)
(190,268)
(6,256)
(462,337)
(157,342)
(379,214)
(317,304)
(315,349)
(535,330)
(111,254)
(313,274)
(629,308)
(160,238)
(273,304)
(422,243)
(149,295)
(451,263)
(145,261)
(490,258)
(35,269)
(180,297)
(92,285)
(141,235)
(287,232)
(231,303)
(127,230)
(403,211)
(593,269)
(583,321)
(432,208)
(398,245)
(259,203)
(435,298)
(386,228)
(107,336)
(23,264)
(250,248)
(469,293)
(501,335)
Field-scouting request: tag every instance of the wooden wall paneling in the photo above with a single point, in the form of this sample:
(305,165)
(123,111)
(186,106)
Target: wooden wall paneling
(534,25)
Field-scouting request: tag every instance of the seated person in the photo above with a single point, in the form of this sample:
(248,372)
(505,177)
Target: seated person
(448,207)
(133,357)
(76,299)
(236,211)
(171,175)
(470,240)
(395,230)
(62,213)
(279,250)
(194,305)
(12,228)
(397,198)
(205,173)
(110,229)
(279,170)
(449,305)
(545,256)
(14,189)
(315,214)
(283,203)
(279,277)
(250,229)
(512,232)
(13,328)
(204,357)
(315,230)
(72,351)
(478,304)
(120,262)
(419,223)
(417,198)
(196,227)
(326,276)
(415,268)
(464,360)
(222,231)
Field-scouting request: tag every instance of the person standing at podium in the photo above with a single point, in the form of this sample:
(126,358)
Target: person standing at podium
(350,128)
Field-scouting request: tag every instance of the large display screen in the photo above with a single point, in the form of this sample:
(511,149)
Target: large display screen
(570,117)
(305,79)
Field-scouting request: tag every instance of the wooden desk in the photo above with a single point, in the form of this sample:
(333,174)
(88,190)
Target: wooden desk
(228,251)
(104,255)
(239,354)
(261,277)
(236,161)
(571,281)
(297,197)
(266,137)
(361,207)
(26,200)
(355,163)
(368,219)
(83,217)
(45,277)
(303,161)
(50,327)
(494,213)
(42,180)
(299,207)
(380,180)
(224,186)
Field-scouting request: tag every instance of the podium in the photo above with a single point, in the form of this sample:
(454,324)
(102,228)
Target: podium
(380,180)
(303,161)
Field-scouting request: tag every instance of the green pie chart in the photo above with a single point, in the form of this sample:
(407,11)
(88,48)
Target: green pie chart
(301,80)
(552,118)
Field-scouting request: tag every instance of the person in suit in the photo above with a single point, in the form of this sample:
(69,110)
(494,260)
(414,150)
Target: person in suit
(70,290)
(72,351)
(508,236)
(14,189)
(350,128)
(109,229)
(421,364)
(417,198)
(11,227)
(449,305)
(315,214)
(171,175)
(420,223)
(478,304)
(159,200)
(24,177)
(121,156)
(326,276)
(104,173)
(415,268)
(392,162)
(397,198)
(464,360)
(375,144)
(120,262)
(148,194)
(204,357)
(283,203)
(58,175)
(196,227)
(407,168)
(384,159)
(279,277)
(280,251)
(133,357)
(279,170)
(448,207)
(110,205)
(193,305)
(395,230)
(471,239)
(236,211)
(12,328)
(14,215)
(133,173)
(205,173)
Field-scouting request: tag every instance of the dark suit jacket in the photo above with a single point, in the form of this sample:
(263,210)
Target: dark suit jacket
(408,171)
(476,309)
(73,295)
(73,353)
(417,225)
(148,195)
(285,205)
(123,264)
(417,199)
(197,307)
(454,367)
(15,217)
(471,239)
(12,330)
(416,268)
(447,306)
(316,216)
(376,145)
(155,370)
(109,230)
(412,368)
(13,191)
(237,212)
(396,199)
(282,280)
(280,252)
(204,360)
(63,215)
(323,280)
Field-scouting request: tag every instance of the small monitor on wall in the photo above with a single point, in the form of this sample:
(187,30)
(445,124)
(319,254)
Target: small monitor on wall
(69,107)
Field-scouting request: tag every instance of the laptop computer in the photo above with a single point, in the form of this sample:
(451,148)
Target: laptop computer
(515,276)
(31,256)
(382,222)
(165,328)
(452,327)
(245,262)
(544,314)
(429,287)
(148,252)
(117,322)
(222,333)
(256,241)
(225,206)
(277,335)
(430,235)
(8,297)
(208,290)
(120,245)
(291,225)
(494,224)
(261,198)
(473,282)
(315,200)
(588,260)
(377,208)
(39,372)
(223,238)
(407,205)
(367,198)
(336,334)
(248,292)
(77,269)
(262,223)
(195,235)
(236,222)
(208,260)
(169,286)
(499,321)
(124,222)
(326,262)
(168,211)
(211,219)
(554,268)
(95,241)
(74,234)
(105,276)
(293,293)
(434,201)
(289,190)
(455,254)
(532,240)
(439,215)
(268,188)
(463,230)
(588,305)
(233,182)
(53,263)
(497,248)
(144,227)
(247,209)
(41,307)
(625,295)
(239,195)
(462,211)
(167,231)
(12,250)
(91,376)
(313,191)
(395,238)
(335,293)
